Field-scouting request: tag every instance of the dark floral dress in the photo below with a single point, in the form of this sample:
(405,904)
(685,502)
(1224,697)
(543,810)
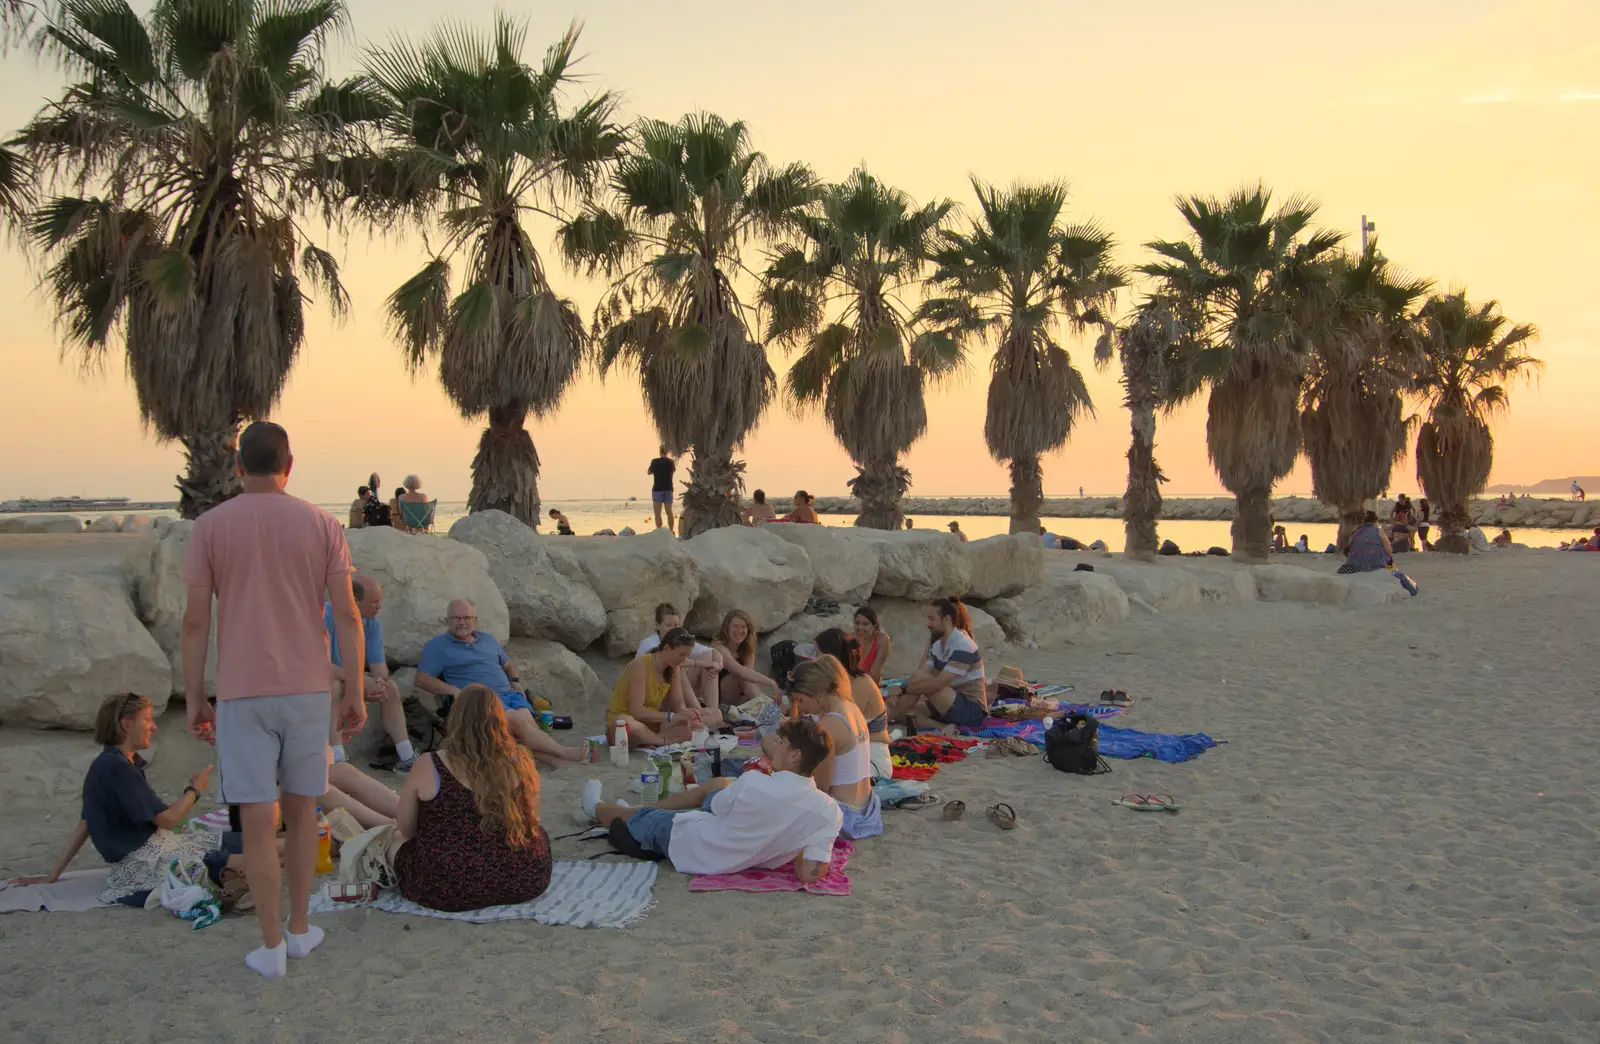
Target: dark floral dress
(453,864)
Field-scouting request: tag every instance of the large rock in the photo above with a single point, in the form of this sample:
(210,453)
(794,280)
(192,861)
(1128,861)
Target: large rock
(1221,582)
(103,524)
(747,568)
(154,571)
(907,627)
(846,570)
(1062,608)
(50,524)
(1377,588)
(551,670)
(916,566)
(1287,583)
(1162,587)
(420,575)
(138,524)
(543,600)
(1003,565)
(632,575)
(68,642)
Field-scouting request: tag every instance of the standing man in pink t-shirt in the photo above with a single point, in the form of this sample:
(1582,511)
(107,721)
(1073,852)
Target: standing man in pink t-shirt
(268,557)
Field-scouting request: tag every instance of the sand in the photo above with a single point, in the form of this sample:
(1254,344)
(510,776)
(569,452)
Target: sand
(1398,843)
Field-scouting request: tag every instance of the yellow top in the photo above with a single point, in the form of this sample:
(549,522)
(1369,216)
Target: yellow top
(655,690)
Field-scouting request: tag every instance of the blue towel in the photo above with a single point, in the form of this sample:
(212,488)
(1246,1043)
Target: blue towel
(1115,742)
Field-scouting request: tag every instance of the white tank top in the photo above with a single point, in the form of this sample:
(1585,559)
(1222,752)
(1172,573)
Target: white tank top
(855,764)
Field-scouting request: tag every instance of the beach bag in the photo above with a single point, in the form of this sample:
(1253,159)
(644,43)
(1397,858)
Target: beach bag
(784,660)
(1073,745)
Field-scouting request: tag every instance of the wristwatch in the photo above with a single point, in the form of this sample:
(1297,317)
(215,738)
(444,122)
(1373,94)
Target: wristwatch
(191,790)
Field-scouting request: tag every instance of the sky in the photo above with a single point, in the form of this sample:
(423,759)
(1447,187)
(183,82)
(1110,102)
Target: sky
(1466,130)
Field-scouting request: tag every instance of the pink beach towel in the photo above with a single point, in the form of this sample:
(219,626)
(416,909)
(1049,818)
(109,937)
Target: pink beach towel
(781,879)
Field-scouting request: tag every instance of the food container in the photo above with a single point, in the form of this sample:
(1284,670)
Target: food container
(597,749)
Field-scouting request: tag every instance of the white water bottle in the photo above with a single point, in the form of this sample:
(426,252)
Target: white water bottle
(619,744)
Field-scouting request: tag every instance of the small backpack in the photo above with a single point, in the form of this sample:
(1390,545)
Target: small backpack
(1073,745)
(784,661)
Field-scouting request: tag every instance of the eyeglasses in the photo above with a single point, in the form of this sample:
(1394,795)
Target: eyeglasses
(460,619)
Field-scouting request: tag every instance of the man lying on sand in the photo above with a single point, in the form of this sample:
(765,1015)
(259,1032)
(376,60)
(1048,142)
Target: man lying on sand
(466,656)
(723,826)
(948,689)
(376,684)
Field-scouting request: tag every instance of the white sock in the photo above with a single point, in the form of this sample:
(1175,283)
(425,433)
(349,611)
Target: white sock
(405,750)
(271,963)
(301,945)
(338,753)
(590,797)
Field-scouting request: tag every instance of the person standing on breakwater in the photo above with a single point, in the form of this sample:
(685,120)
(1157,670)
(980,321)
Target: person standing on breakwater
(660,472)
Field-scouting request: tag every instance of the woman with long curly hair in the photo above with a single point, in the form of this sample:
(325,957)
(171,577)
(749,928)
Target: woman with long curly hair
(469,815)
(739,681)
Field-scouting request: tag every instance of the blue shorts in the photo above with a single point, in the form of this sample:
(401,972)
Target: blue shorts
(964,710)
(661,496)
(513,700)
(652,827)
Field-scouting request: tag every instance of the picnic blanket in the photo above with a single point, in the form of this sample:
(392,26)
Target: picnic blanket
(781,879)
(1097,711)
(78,890)
(581,894)
(1114,742)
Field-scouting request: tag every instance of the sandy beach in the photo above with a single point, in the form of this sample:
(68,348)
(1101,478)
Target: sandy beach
(1397,843)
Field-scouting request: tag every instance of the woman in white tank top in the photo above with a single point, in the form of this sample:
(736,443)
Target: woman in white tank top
(821,689)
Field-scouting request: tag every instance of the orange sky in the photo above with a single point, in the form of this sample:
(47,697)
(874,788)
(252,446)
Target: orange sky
(1465,129)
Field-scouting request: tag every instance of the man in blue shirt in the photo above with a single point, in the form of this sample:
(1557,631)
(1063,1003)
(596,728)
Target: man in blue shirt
(375,681)
(464,656)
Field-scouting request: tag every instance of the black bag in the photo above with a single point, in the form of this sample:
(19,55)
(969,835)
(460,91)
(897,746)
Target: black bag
(623,842)
(1073,745)
(784,662)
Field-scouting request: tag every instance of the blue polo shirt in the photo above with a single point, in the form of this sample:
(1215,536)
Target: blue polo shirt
(119,805)
(370,628)
(458,663)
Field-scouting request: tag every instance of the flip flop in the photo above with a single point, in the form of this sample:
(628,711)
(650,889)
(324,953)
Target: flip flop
(1002,816)
(954,810)
(917,801)
(1149,802)
(1115,698)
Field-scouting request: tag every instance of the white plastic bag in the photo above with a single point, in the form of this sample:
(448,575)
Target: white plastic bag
(179,892)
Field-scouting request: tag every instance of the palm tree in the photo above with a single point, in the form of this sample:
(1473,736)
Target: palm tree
(477,140)
(1352,420)
(690,198)
(863,243)
(1258,277)
(1016,273)
(1469,352)
(193,125)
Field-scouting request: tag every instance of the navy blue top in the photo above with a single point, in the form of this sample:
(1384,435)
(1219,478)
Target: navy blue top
(661,470)
(119,805)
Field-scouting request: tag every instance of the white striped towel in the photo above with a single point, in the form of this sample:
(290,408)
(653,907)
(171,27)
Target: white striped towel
(581,894)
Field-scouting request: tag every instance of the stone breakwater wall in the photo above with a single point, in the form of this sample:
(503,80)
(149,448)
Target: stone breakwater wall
(1546,513)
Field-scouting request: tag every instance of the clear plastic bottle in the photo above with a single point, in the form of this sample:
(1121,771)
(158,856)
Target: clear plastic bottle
(324,844)
(619,743)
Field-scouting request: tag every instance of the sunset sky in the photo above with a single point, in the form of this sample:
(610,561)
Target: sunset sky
(1467,130)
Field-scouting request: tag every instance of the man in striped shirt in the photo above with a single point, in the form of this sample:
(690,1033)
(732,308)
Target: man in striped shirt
(948,689)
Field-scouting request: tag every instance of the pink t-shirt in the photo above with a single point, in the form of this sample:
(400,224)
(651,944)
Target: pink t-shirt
(269,558)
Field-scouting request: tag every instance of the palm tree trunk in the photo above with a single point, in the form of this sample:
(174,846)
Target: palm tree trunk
(1252,525)
(712,498)
(1141,504)
(213,470)
(505,473)
(1027,494)
(1454,521)
(879,486)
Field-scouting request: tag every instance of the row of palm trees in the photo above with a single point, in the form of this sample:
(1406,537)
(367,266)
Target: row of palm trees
(170,187)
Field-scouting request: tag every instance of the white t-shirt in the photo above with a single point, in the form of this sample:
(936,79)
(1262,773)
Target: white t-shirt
(758,821)
(652,641)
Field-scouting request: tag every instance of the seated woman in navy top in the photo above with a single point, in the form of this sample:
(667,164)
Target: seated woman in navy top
(131,827)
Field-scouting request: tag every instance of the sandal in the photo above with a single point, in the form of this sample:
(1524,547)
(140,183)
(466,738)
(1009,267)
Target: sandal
(1149,802)
(954,810)
(1011,747)
(1115,698)
(1002,816)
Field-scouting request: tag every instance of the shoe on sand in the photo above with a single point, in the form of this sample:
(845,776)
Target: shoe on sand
(954,810)
(1002,816)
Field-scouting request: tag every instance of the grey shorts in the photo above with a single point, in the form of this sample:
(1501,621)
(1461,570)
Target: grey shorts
(268,743)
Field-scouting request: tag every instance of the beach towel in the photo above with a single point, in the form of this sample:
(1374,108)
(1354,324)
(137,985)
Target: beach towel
(78,890)
(781,879)
(1097,711)
(1114,742)
(581,895)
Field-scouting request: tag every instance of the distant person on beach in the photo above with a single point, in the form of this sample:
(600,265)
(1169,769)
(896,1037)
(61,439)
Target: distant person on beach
(660,471)
(1401,524)
(911,523)
(412,494)
(652,698)
(1424,516)
(374,512)
(948,689)
(1280,539)
(873,642)
(1502,539)
(1577,491)
(1367,549)
(396,519)
(1080,492)
(759,510)
(375,683)
(757,820)
(1303,545)
(267,557)
(468,833)
(955,531)
(802,510)
(866,694)
(464,656)
(563,527)
(1050,541)
(358,508)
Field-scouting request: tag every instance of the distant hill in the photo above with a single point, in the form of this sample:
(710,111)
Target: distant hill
(1553,487)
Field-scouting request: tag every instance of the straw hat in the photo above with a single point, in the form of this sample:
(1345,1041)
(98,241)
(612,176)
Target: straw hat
(1013,677)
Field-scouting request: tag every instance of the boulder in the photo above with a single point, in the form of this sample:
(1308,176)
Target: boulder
(915,566)
(907,628)
(1060,609)
(68,642)
(741,567)
(1161,586)
(1370,589)
(551,670)
(420,575)
(52,524)
(138,524)
(1287,583)
(800,629)
(846,571)
(1003,565)
(103,524)
(1221,582)
(632,575)
(154,573)
(544,602)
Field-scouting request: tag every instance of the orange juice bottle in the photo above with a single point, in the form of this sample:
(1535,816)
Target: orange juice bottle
(324,844)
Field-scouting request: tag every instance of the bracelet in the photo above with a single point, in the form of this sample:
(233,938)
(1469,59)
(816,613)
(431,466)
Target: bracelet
(669,717)
(191,790)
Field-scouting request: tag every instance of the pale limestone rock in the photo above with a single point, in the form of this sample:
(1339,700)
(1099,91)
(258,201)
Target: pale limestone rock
(544,602)
(916,565)
(1376,588)
(154,573)
(907,627)
(1060,609)
(51,524)
(103,524)
(747,568)
(1287,583)
(632,575)
(420,575)
(138,524)
(1158,584)
(1003,565)
(1221,582)
(846,570)
(551,670)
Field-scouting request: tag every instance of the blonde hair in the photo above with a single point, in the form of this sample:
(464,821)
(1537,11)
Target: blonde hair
(824,676)
(500,771)
(108,719)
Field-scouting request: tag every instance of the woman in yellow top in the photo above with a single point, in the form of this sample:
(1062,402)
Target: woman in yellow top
(649,695)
